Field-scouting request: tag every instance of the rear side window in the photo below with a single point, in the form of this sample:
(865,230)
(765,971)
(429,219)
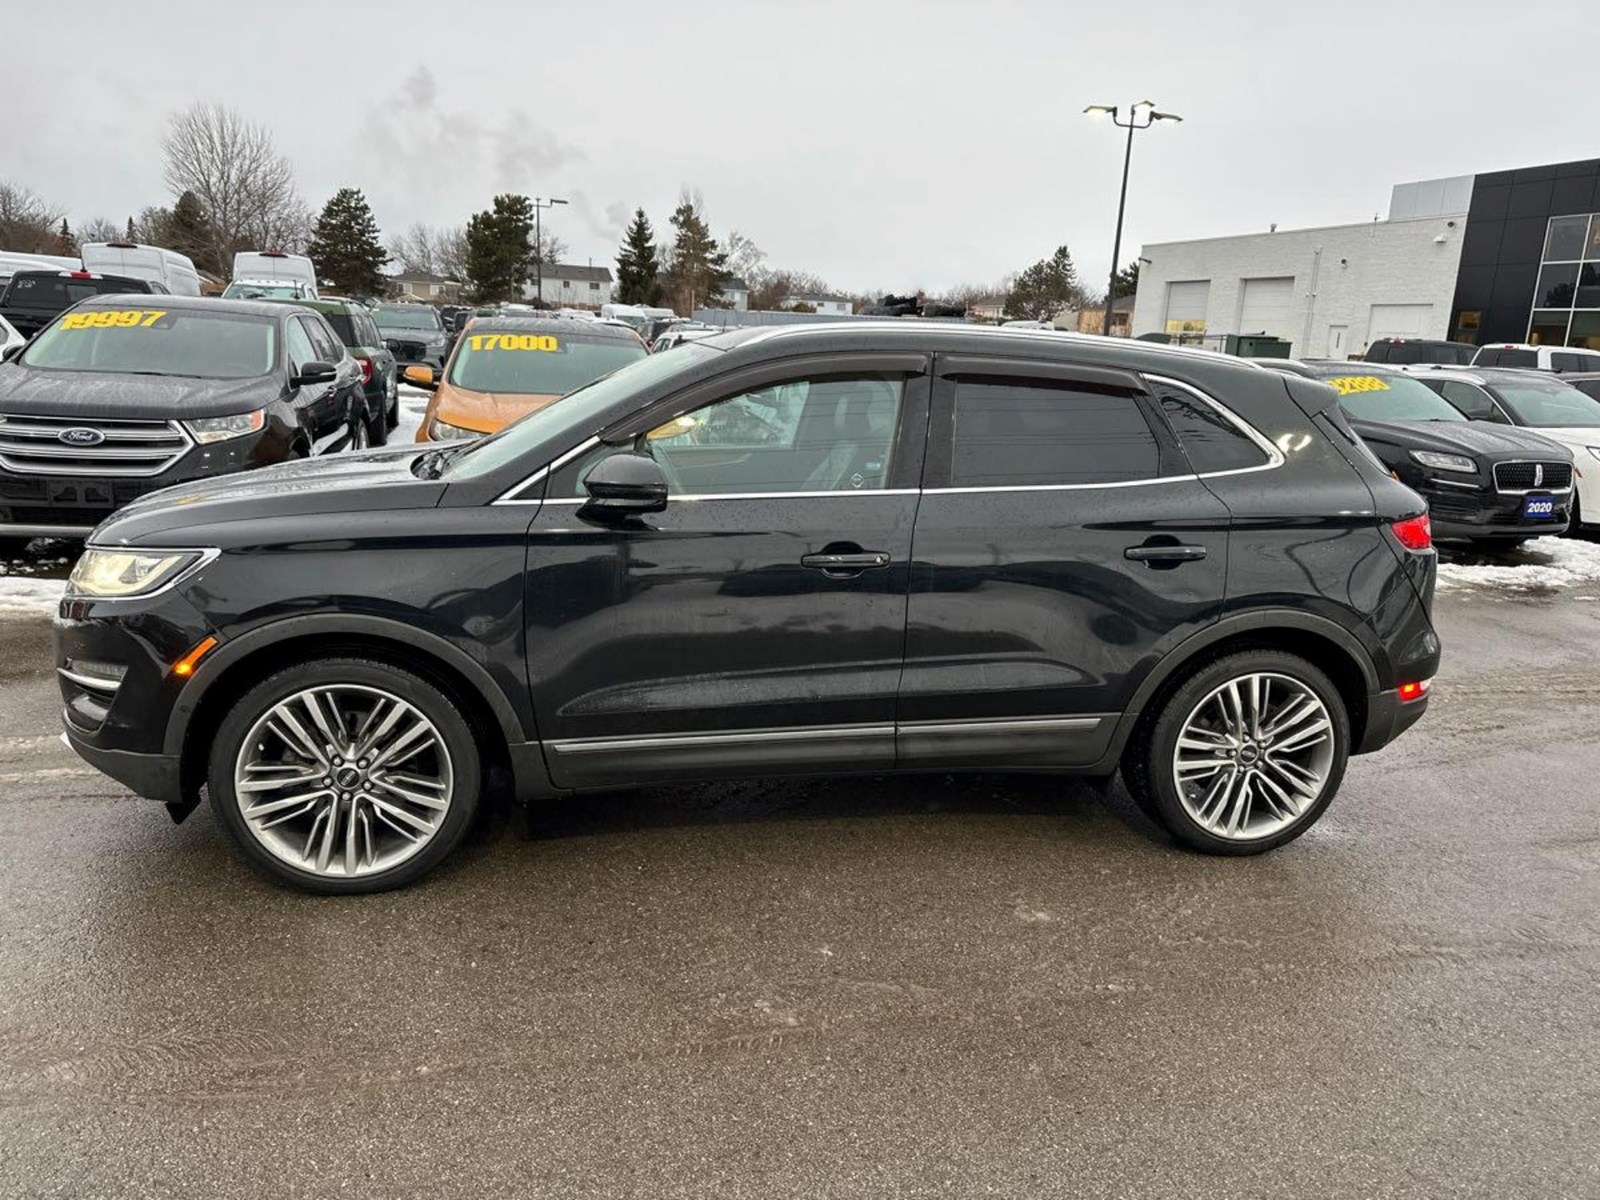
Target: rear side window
(1212,442)
(1589,387)
(1506,358)
(344,326)
(1568,362)
(1036,434)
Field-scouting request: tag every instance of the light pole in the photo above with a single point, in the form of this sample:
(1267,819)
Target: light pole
(538,245)
(1151,116)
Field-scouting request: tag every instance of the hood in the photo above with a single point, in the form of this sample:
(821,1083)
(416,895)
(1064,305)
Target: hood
(1577,438)
(331,484)
(487,412)
(86,395)
(1480,439)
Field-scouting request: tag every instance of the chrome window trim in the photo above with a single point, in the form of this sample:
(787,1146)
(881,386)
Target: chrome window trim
(512,494)
(1275,457)
(700,497)
(1060,487)
(1003,725)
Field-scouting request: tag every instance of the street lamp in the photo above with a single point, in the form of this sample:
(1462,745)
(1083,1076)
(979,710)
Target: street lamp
(1150,117)
(538,245)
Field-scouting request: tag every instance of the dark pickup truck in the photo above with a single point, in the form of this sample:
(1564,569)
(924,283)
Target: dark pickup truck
(32,299)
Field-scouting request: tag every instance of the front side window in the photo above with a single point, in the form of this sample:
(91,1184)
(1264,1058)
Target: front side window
(1473,402)
(327,346)
(1043,434)
(148,340)
(301,350)
(1212,442)
(825,434)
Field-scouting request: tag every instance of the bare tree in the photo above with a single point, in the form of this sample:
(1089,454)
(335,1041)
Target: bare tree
(778,286)
(746,260)
(99,229)
(436,249)
(233,168)
(28,223)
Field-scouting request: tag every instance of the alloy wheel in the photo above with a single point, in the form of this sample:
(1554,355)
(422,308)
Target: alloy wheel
(344,781)
(1253,756)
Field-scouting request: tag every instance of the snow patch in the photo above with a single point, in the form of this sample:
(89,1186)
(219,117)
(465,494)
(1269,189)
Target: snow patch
(1546,564)
(21,596)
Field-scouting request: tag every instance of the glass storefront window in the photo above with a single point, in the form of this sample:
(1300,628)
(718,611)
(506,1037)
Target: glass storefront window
(1549,328)
(1566,240)
(1585,330)
(1558,284)
(1589,286)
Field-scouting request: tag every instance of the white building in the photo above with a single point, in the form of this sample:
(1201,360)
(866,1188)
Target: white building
(1329,292)
(736,294)
(571,285)
(833,306)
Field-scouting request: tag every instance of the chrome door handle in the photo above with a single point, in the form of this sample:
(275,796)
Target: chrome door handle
(1174,554)
(866,560)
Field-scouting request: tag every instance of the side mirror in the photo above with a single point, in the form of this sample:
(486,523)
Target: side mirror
(421,376)
(624,484)
(315,372)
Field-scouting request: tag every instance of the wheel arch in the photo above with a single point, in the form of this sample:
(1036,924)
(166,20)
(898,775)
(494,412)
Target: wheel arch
(240,664)
(1330,647)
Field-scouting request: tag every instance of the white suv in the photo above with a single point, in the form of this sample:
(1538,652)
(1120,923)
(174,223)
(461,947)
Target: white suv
(1539,358)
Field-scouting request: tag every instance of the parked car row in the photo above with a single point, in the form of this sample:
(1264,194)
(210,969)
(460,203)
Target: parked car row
(1412,351)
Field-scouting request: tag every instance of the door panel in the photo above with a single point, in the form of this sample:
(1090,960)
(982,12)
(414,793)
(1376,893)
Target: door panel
(699,640)
(1037,608)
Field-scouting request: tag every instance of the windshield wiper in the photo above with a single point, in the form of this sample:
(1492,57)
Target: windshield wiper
(431,465)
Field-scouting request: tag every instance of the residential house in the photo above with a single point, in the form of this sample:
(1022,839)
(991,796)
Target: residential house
(572,285)
(427,287)
(1092,317)
(736,294)
(827,305)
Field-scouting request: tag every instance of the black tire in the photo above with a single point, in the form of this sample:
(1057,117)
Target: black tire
(377,427)
(438,708)
(1147,762)
(392,399)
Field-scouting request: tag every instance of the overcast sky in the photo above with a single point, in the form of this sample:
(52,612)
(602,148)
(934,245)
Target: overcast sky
(879,145)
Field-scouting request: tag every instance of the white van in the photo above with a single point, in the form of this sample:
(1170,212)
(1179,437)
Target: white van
(171,270)
(629,314)
(11,262)
(272,274)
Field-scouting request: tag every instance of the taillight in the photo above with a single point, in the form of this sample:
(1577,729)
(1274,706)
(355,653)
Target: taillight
(366,369)
(1410,692)
(1415,533)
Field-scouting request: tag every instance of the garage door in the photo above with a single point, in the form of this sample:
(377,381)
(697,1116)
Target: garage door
(1267,307)
(1186,305)
(1399,320)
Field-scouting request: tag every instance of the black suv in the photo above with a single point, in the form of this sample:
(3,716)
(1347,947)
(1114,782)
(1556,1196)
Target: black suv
(1486,484)
(795,550)
(32,299)
(123,395)
(413,333)
(1419,350)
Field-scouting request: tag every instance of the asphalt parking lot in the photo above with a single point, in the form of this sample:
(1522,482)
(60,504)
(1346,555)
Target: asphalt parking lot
(934,985)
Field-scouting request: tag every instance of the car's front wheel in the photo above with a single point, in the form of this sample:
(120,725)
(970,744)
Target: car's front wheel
(1244,755)
(345,775)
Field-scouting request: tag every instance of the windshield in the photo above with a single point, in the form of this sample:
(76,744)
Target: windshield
(529,364)
(152,341)
(1549,405)
(1391,398)
(264,291)
(575,417)
(410,316)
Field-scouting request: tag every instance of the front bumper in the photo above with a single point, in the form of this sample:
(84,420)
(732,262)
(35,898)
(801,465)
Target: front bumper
(1480,513)
(153,776)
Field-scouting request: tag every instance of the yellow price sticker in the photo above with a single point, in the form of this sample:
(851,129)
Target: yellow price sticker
(1346,384)
(514,341)
(113,318)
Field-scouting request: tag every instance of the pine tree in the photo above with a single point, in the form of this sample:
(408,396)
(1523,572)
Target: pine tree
(132,234)
(65,243)
(500,253)
(188,231)
(345,246)
(698,265)
(1045,288)
(638,268)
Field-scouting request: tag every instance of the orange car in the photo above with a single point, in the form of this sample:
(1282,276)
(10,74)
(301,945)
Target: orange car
(504,368)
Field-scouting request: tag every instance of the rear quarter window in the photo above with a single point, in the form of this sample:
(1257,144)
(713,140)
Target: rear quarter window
(1507,358)
(1211,441)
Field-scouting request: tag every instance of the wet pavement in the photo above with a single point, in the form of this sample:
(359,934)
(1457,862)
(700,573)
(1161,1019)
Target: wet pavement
(953,986)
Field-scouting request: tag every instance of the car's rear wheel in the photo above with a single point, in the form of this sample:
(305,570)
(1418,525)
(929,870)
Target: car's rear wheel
(377,425)
(391,408)
(345,775)
(1244,755)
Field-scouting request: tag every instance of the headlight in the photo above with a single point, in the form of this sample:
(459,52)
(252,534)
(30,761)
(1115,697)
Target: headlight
(443,431)
(127,572)
(1445,462)
(219,429)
